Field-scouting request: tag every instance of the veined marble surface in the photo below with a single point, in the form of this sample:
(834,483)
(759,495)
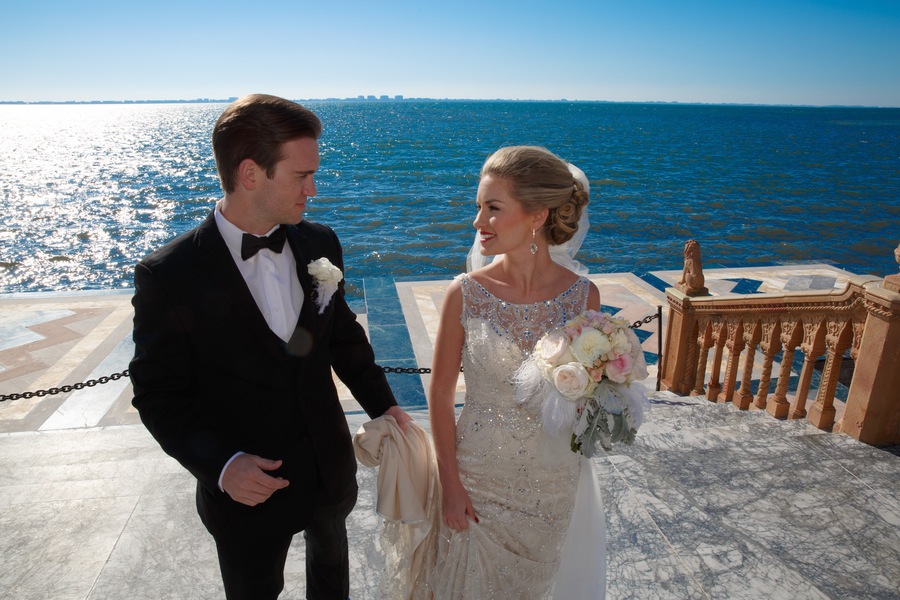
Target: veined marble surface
(710,502)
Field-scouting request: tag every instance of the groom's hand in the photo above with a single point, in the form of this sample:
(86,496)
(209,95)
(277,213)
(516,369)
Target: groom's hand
(246,481)
(400,416)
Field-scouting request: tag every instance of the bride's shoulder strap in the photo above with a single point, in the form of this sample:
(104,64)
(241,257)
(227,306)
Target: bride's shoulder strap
(476,299)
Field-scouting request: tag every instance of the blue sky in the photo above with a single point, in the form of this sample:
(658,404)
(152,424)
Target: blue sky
(719,51)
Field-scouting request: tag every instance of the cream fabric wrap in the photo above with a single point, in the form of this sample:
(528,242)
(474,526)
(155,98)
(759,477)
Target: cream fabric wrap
(407,469)
(408,498)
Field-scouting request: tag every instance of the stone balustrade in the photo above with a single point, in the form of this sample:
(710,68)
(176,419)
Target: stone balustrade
(749,333)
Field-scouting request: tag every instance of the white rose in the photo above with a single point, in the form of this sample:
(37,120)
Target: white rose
(552,350)
(572,381)
(620,342)
(324,272)
(327,277)
(589,346)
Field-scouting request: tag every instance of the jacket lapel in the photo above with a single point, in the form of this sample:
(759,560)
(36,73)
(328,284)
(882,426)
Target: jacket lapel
(301,341)
(224,275)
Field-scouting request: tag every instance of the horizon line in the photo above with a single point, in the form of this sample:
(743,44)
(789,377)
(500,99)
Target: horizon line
(400,98)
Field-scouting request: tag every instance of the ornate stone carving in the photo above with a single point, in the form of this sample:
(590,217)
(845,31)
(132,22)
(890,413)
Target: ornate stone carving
(704,343)
(864,318)
(751,337)
(837,340)
(813,340)
(788,327)
(891,282)
(735,345)
(717,329)
(692,279)
(770,344)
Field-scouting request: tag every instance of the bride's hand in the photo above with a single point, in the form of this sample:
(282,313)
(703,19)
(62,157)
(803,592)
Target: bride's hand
(457,508)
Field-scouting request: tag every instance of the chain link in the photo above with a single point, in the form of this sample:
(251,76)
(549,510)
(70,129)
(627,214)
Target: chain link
(645,321)
(408,370)
(64,388)
(116,376)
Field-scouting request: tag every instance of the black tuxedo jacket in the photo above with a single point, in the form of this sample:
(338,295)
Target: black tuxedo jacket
(211,379)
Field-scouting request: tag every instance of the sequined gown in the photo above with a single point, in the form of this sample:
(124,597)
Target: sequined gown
(521,482)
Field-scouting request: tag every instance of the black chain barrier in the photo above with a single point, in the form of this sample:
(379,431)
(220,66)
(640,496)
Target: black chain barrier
(64,388)
(405,370)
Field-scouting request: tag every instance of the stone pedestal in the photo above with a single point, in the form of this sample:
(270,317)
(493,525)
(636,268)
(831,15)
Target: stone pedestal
(872,414)
(678,373)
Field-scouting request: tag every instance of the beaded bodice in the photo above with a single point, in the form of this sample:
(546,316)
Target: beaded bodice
(500,335)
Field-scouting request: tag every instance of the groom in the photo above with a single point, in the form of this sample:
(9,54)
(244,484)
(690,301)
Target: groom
(236,333)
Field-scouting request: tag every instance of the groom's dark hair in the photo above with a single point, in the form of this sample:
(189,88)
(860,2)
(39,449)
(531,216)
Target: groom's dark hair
(255,127)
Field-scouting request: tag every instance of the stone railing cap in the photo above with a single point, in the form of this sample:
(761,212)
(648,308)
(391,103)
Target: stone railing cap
(865,280)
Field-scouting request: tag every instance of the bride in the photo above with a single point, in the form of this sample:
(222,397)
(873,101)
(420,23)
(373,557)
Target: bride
(508,490)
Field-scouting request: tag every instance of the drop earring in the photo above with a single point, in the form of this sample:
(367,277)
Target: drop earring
(533,246)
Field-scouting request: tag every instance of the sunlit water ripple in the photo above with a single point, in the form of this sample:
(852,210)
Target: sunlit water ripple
(87,190)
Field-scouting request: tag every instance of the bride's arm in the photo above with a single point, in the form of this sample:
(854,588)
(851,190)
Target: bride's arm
(457,508)
(593,302)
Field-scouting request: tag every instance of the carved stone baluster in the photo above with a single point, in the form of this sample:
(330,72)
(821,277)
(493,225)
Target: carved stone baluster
(751,336)
(735,343)
(704,343)
(690,361)
(813,346)
(837,340)
(791,336)
(717,326)
(770,344)
(859,324)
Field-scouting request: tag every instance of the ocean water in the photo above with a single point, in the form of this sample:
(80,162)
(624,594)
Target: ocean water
(87,190)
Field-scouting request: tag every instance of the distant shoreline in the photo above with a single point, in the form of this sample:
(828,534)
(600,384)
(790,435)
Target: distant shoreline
(387,99)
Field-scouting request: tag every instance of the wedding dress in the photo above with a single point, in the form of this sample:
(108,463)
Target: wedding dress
(522,483)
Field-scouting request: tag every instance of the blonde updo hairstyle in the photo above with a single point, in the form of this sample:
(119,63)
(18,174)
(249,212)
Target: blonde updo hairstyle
(539,179)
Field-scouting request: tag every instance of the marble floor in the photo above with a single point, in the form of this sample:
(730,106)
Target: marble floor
(710,502)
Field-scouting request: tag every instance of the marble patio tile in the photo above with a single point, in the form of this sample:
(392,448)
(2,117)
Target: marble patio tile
(640,563)
(876,469)
(732,509)
(71,490)
(56,549)
(737,569)
(81,464)
(163,552)
(111,473)
(14,326)
(811,539)
(705,414)
(707,553)
(86,407)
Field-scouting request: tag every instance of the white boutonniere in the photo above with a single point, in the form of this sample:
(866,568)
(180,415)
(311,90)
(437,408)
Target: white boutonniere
(327,278)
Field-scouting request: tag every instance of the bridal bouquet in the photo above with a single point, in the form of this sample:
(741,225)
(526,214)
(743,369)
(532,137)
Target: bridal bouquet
(583,372)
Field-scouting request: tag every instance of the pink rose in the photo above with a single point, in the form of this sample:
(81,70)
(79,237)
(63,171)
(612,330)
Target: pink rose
(618,370)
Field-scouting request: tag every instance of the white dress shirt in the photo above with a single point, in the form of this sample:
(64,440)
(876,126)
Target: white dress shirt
(272,279)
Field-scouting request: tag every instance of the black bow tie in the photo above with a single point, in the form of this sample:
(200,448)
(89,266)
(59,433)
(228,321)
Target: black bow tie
(251,244)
